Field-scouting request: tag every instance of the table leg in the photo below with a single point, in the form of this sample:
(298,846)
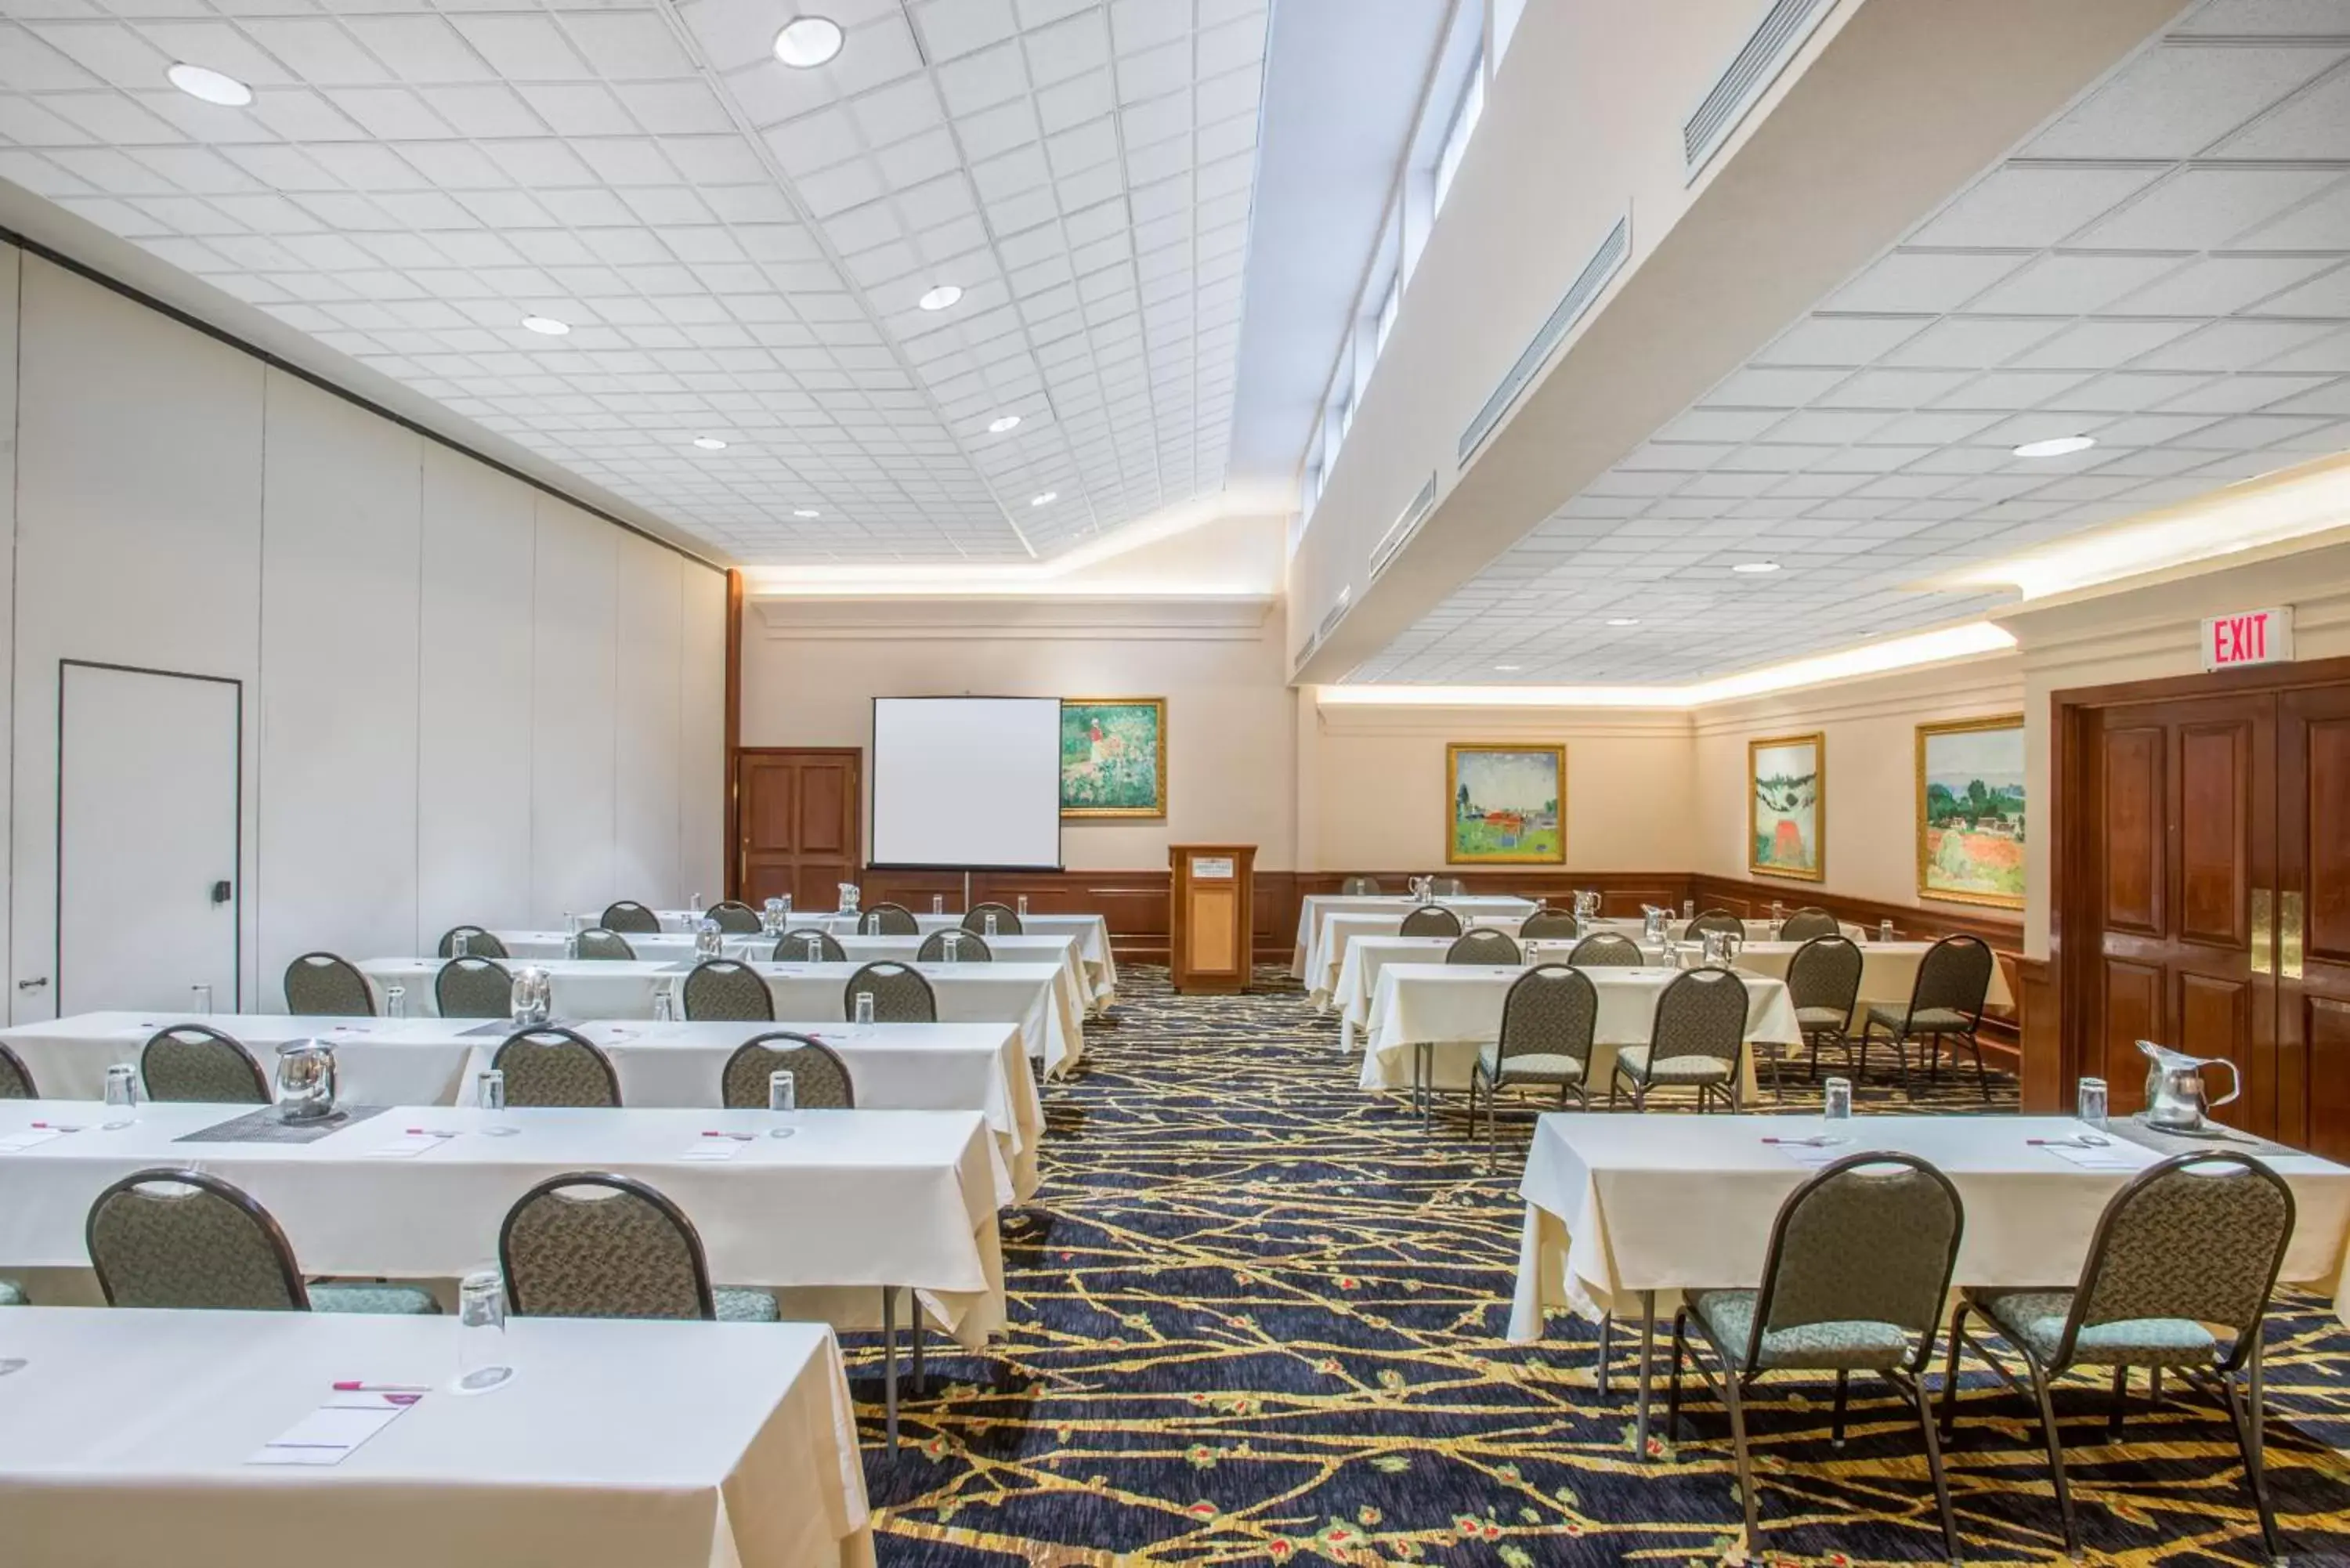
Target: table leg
(890,1363)
(1647,1351)
(914,1328)
(1606,1340)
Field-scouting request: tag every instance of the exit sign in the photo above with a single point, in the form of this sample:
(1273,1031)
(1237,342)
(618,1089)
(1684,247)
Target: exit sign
(2253,636)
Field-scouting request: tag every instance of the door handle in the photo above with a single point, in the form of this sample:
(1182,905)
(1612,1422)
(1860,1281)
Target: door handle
(2290,964)
(2261,933)
(33,984)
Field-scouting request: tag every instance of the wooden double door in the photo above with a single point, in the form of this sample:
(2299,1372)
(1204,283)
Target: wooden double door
(2211,881)
(799,824)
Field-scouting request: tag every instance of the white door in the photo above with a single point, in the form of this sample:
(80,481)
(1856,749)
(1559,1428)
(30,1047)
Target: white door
(148,780)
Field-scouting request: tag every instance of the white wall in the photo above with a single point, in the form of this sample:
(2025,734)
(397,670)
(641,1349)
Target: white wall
(463,698)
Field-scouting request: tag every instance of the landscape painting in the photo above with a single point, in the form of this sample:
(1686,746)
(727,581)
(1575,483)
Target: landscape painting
(1786,788)
(1113,756)
(1505,805)
(1970,811)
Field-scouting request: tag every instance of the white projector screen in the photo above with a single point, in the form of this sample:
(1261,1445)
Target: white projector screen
(967,783)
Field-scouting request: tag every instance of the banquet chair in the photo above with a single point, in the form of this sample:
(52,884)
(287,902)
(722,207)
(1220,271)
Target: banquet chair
(1429,921)
(1546,923)
(728,991)
(321,985)
(1606,949)
(1946,1004)
(473,988)
(549,1066)
(602,944)
(1695,1042)
(1359,887)
(1007,920)
(631,918)
(2187,1245)
(1807,922)
(735,918)
(901,995)
(1715,920)
(479,943)
(1824,985)
(210,1246)
(189,1062)
(1547,1020)
(1854,1278)
(820,1078)
(16,1080)
(969,947)
(1449,887)
(792,947)
(887,920)
(628,1251)
(1484,945)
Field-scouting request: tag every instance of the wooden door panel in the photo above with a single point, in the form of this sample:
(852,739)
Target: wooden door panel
(2133,819)
(2325,1028)
(2313,904)
(2213,831)
(801,825)
(2132,1011)
(770,790)
(827,816)
(2214,1019)
(2325,812)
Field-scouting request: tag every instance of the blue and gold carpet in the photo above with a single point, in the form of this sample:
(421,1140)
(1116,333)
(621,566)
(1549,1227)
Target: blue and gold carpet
(1258,1317)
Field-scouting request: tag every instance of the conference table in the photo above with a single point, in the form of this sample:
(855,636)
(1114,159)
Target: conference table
(1358,974)
(1622,1211)
(1325,963)
(1090,932)
(167,1438)
(1315,908)
(432,1061)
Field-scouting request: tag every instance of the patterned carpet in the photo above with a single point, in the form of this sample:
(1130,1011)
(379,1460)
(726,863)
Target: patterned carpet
(1258,1317)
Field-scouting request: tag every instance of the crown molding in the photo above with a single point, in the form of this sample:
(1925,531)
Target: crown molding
(1038,618)
(1479,722)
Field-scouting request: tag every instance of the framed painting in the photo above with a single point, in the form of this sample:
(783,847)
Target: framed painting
(1504,805)
(1787,807)
(1970,811)
(1113,756)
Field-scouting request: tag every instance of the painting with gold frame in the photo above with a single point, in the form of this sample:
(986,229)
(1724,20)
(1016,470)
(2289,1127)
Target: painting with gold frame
(1113,756)
(1970,799)
(1787,807)
(1505,805)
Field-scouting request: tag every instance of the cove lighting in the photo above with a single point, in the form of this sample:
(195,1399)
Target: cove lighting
(807,42)
(709,443)
(2056,446)
(547,325)
(1008,422)
(941,298)
(1756,568)
(1044,499)
(201,82)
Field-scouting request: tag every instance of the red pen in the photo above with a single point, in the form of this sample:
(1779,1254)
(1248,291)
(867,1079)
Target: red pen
(353,1386)
(737,1137)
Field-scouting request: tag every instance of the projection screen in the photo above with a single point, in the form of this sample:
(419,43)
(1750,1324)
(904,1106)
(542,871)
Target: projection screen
(967,783)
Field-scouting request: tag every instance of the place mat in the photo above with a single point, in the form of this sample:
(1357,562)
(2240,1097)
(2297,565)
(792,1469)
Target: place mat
(264,1126)
(2210,1140)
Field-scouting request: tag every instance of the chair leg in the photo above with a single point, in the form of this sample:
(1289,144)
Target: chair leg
(1917,1393)
(2120,1403)
(2244,1419)
(890,1363)
(1730,1396)
(1844,1390)
(2056,1454)
(1982,1077)
(1951,1373)
(1673,1378)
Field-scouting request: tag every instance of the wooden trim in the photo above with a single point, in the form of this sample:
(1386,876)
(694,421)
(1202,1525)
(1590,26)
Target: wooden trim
(731,850)
(2258,678)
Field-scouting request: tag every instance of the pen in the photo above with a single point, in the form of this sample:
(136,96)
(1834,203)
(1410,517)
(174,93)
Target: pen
(57,1126)
(737,1137)
(353,1386)
(431,1132)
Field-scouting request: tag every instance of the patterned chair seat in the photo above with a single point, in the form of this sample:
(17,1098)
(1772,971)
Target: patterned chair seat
(738,1305)
(2035,1319)
(396,1300)
(1531,1067)
(13,1294)
(1925,1020)
(1633,1061)
(1820,1018)
(1847,1346)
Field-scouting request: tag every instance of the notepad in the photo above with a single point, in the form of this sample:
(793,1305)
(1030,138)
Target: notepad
(327,1435)
(408,1146)
(714,1148)
(2107,1159)
(32,1137)
(1813,1154)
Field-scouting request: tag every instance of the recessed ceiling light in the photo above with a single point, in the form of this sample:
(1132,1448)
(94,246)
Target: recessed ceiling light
(199,81)
(1756,568)
(1509,668)
(1008,422)
(547,325)
(1046,499)
(807,42)
(1624,620)
(709,443)
(2056,446)
(939,298)
(805,512)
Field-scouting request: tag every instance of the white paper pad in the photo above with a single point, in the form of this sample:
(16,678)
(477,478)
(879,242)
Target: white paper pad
(2093,1158)
(1813,1154)
(714,1148)
(31,1138)
(408,1146)
(327,1435)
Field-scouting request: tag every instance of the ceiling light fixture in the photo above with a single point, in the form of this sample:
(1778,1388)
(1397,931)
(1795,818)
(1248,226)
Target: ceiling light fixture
(547,325)
(941,298)
(199,81)
(2056,446)
(709,443)
(1509,668)
(1044,499)
(805,512)
(1756,568)
(807,42)
(1008,422)
(1624,620)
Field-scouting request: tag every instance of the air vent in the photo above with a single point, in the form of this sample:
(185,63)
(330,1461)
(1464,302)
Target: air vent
(1337,613)
(1603,266)
(1401,531)
(1777,36)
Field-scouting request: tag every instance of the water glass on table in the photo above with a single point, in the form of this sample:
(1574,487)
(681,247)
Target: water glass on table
(1836,1100)
(2090,1106)
(783,1100)
(200,1000)
(482,1363)
(395,1001)
(863,1016)
(121,1087)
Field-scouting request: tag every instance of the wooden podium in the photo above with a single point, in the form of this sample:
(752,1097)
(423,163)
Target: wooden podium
(1211,929)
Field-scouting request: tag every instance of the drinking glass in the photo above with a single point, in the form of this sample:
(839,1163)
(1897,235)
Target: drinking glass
(952,942)
(787,902)
(783,1100)
(694,903)
(1022,905)
(814,945)
(987,923)
(201,999)
(2091,1106)
(1778,911)
(1884,930)
(490,1089)
(1689,908)
(461,945)
(937,904)
(1836,1100)
(395,1001)
(571,945)
(482,1363)
(864,1010)
(122,1084)
(661,1013)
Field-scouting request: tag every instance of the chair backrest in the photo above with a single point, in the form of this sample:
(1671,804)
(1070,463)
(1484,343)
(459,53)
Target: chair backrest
(1700,1014)
(15,1080)
(321,985)
(735,918)
(180,1239)
(624,1251)
(1484,945)
(1007,920)
(887,920)
(901,995)
(1449,887)
(969,947)
(478,942)
(1716,921)
(1606,949)
(630,917)
(473,988)
(192,1062)
(1954,975)
(820,1078)
(730,991)
(1825,973)
(1546,923)
(602,943)
(1429,921)
(1871,1238)
(792,947)
(1359,887)
(1807,922)
(1550,1011)
(548,1067)
(2200,1236)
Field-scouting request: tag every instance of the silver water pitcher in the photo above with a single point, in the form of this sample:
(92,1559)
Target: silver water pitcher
(708,942)
(2174,1087)
(532,996)
(849,897)
(306,1081)
(772,916)
(1721,949)
(1652,924)
(1423,889)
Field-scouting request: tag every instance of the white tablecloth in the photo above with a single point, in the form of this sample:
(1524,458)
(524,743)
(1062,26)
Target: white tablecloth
(1456,1007)
(1756,930)
(1358,975)
(1617,1204)
(861,1199)
(1091,933)
(1888,970)
(1338,932)
(1315,907)
(584,988)
(618,1445)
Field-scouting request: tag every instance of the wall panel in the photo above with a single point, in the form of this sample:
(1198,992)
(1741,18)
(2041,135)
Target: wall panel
(702,782)
(572,713)
(647,723)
